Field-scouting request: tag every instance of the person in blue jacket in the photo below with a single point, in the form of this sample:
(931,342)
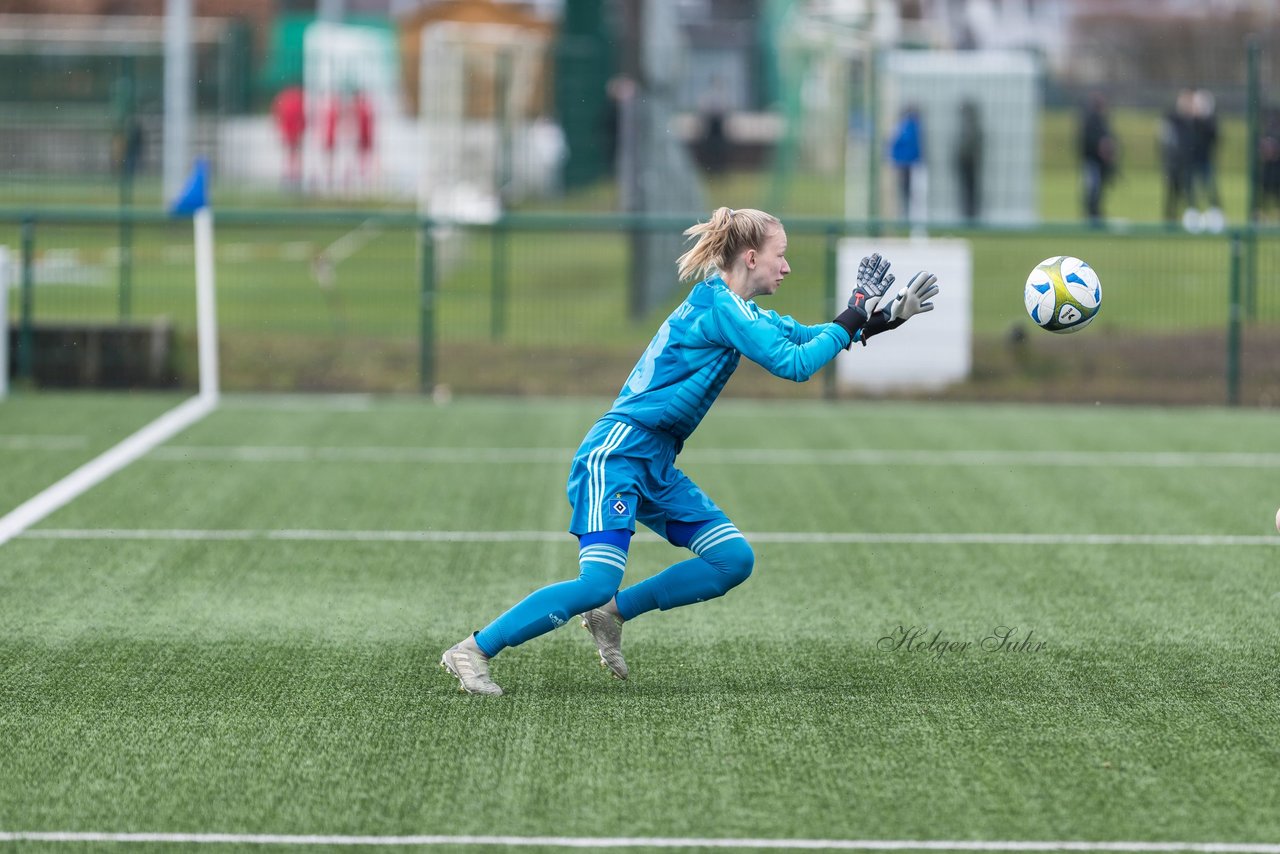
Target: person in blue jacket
(908,156)
(624,472)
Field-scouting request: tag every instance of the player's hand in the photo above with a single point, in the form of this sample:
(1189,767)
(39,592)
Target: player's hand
(874,281)
(912,300)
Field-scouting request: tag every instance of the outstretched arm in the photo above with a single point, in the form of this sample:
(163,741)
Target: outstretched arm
(766,339)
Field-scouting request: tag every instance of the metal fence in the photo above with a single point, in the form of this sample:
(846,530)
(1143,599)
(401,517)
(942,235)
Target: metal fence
(541,304)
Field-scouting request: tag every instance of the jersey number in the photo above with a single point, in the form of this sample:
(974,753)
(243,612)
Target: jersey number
(643,373)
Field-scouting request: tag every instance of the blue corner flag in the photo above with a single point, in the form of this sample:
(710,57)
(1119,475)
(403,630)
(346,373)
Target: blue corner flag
(195,194)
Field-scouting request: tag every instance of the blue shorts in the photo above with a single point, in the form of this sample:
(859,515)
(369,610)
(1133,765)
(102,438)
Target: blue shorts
(623,473)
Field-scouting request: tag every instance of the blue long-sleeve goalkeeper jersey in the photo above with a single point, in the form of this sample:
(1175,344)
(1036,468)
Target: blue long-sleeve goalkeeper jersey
(698,347)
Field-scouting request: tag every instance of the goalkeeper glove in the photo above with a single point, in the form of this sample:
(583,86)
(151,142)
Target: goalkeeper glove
(874,281)
(910,301)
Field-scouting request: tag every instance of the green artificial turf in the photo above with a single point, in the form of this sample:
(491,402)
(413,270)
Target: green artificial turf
(209,677)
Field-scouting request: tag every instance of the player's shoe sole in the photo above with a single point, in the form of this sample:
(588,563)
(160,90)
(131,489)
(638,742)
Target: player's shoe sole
(606,630)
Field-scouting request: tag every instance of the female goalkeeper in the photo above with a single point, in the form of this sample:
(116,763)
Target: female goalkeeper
(625,471)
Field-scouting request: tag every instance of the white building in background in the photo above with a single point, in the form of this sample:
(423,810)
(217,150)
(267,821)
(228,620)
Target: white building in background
(1045,26)
(948,24)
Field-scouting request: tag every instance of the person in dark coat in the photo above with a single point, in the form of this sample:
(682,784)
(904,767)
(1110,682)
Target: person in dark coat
(1098,152)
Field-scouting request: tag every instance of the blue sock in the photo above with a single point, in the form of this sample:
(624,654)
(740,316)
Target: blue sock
(602,561)
(724,560)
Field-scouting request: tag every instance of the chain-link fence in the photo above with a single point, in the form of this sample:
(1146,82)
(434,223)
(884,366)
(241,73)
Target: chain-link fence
(540,304)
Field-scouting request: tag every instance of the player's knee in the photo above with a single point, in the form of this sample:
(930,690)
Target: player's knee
(596,586)
(595,595)
(734,559)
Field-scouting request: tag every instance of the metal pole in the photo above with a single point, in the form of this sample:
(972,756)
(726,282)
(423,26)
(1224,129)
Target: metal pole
(1233,324)
(4,322)
(502,178)
(128,167)
(503,169)
(1253,104)
(177,96)
(498,280)
(873,153)
(26,335)
(206,301)
(833,297)
(125,272)
(1254,101)
(630,186)
(426,309)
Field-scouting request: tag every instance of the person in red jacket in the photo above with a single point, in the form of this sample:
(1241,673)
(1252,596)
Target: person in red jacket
(365,162)
(289,111)
(329,110)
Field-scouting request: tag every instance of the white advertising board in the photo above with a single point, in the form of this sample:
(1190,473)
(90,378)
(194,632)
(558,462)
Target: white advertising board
(930,351)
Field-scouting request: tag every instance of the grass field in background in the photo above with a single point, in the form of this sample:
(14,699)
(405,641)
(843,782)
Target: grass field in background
(239,632)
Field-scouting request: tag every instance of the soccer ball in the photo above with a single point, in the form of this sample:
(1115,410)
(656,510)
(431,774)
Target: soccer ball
(1063,294)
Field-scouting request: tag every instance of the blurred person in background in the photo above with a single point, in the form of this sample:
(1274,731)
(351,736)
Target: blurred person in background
(907,152)
(624,472)
(621,92)
(329,110)
(1269,163)
(366,163)
(1099,153)
(289,111)
(1175,154)
(1204,205)
(127,147)
(969,148)
(714,110)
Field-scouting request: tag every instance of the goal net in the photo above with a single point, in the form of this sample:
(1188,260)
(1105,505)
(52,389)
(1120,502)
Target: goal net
(484,137)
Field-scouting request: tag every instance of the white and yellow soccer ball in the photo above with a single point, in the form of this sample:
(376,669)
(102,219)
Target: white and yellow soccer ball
(1063,294)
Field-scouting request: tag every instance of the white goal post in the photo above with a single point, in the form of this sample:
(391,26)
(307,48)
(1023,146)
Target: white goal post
(482,133)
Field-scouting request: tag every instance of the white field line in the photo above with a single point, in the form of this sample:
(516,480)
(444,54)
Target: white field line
(779,456)
(103,466)
(788,537)
(303,454)
(648,842)
(351,242)
(19,442)
(355,402)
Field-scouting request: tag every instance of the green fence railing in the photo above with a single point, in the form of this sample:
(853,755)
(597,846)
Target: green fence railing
(540,303)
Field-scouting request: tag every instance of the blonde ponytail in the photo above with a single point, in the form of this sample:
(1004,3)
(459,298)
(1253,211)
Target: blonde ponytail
(720,239)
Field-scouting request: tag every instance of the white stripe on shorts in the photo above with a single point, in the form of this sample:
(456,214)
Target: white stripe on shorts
(595,471)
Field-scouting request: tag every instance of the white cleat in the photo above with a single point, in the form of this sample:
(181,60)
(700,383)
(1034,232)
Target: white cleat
(606,629)
(471,668)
